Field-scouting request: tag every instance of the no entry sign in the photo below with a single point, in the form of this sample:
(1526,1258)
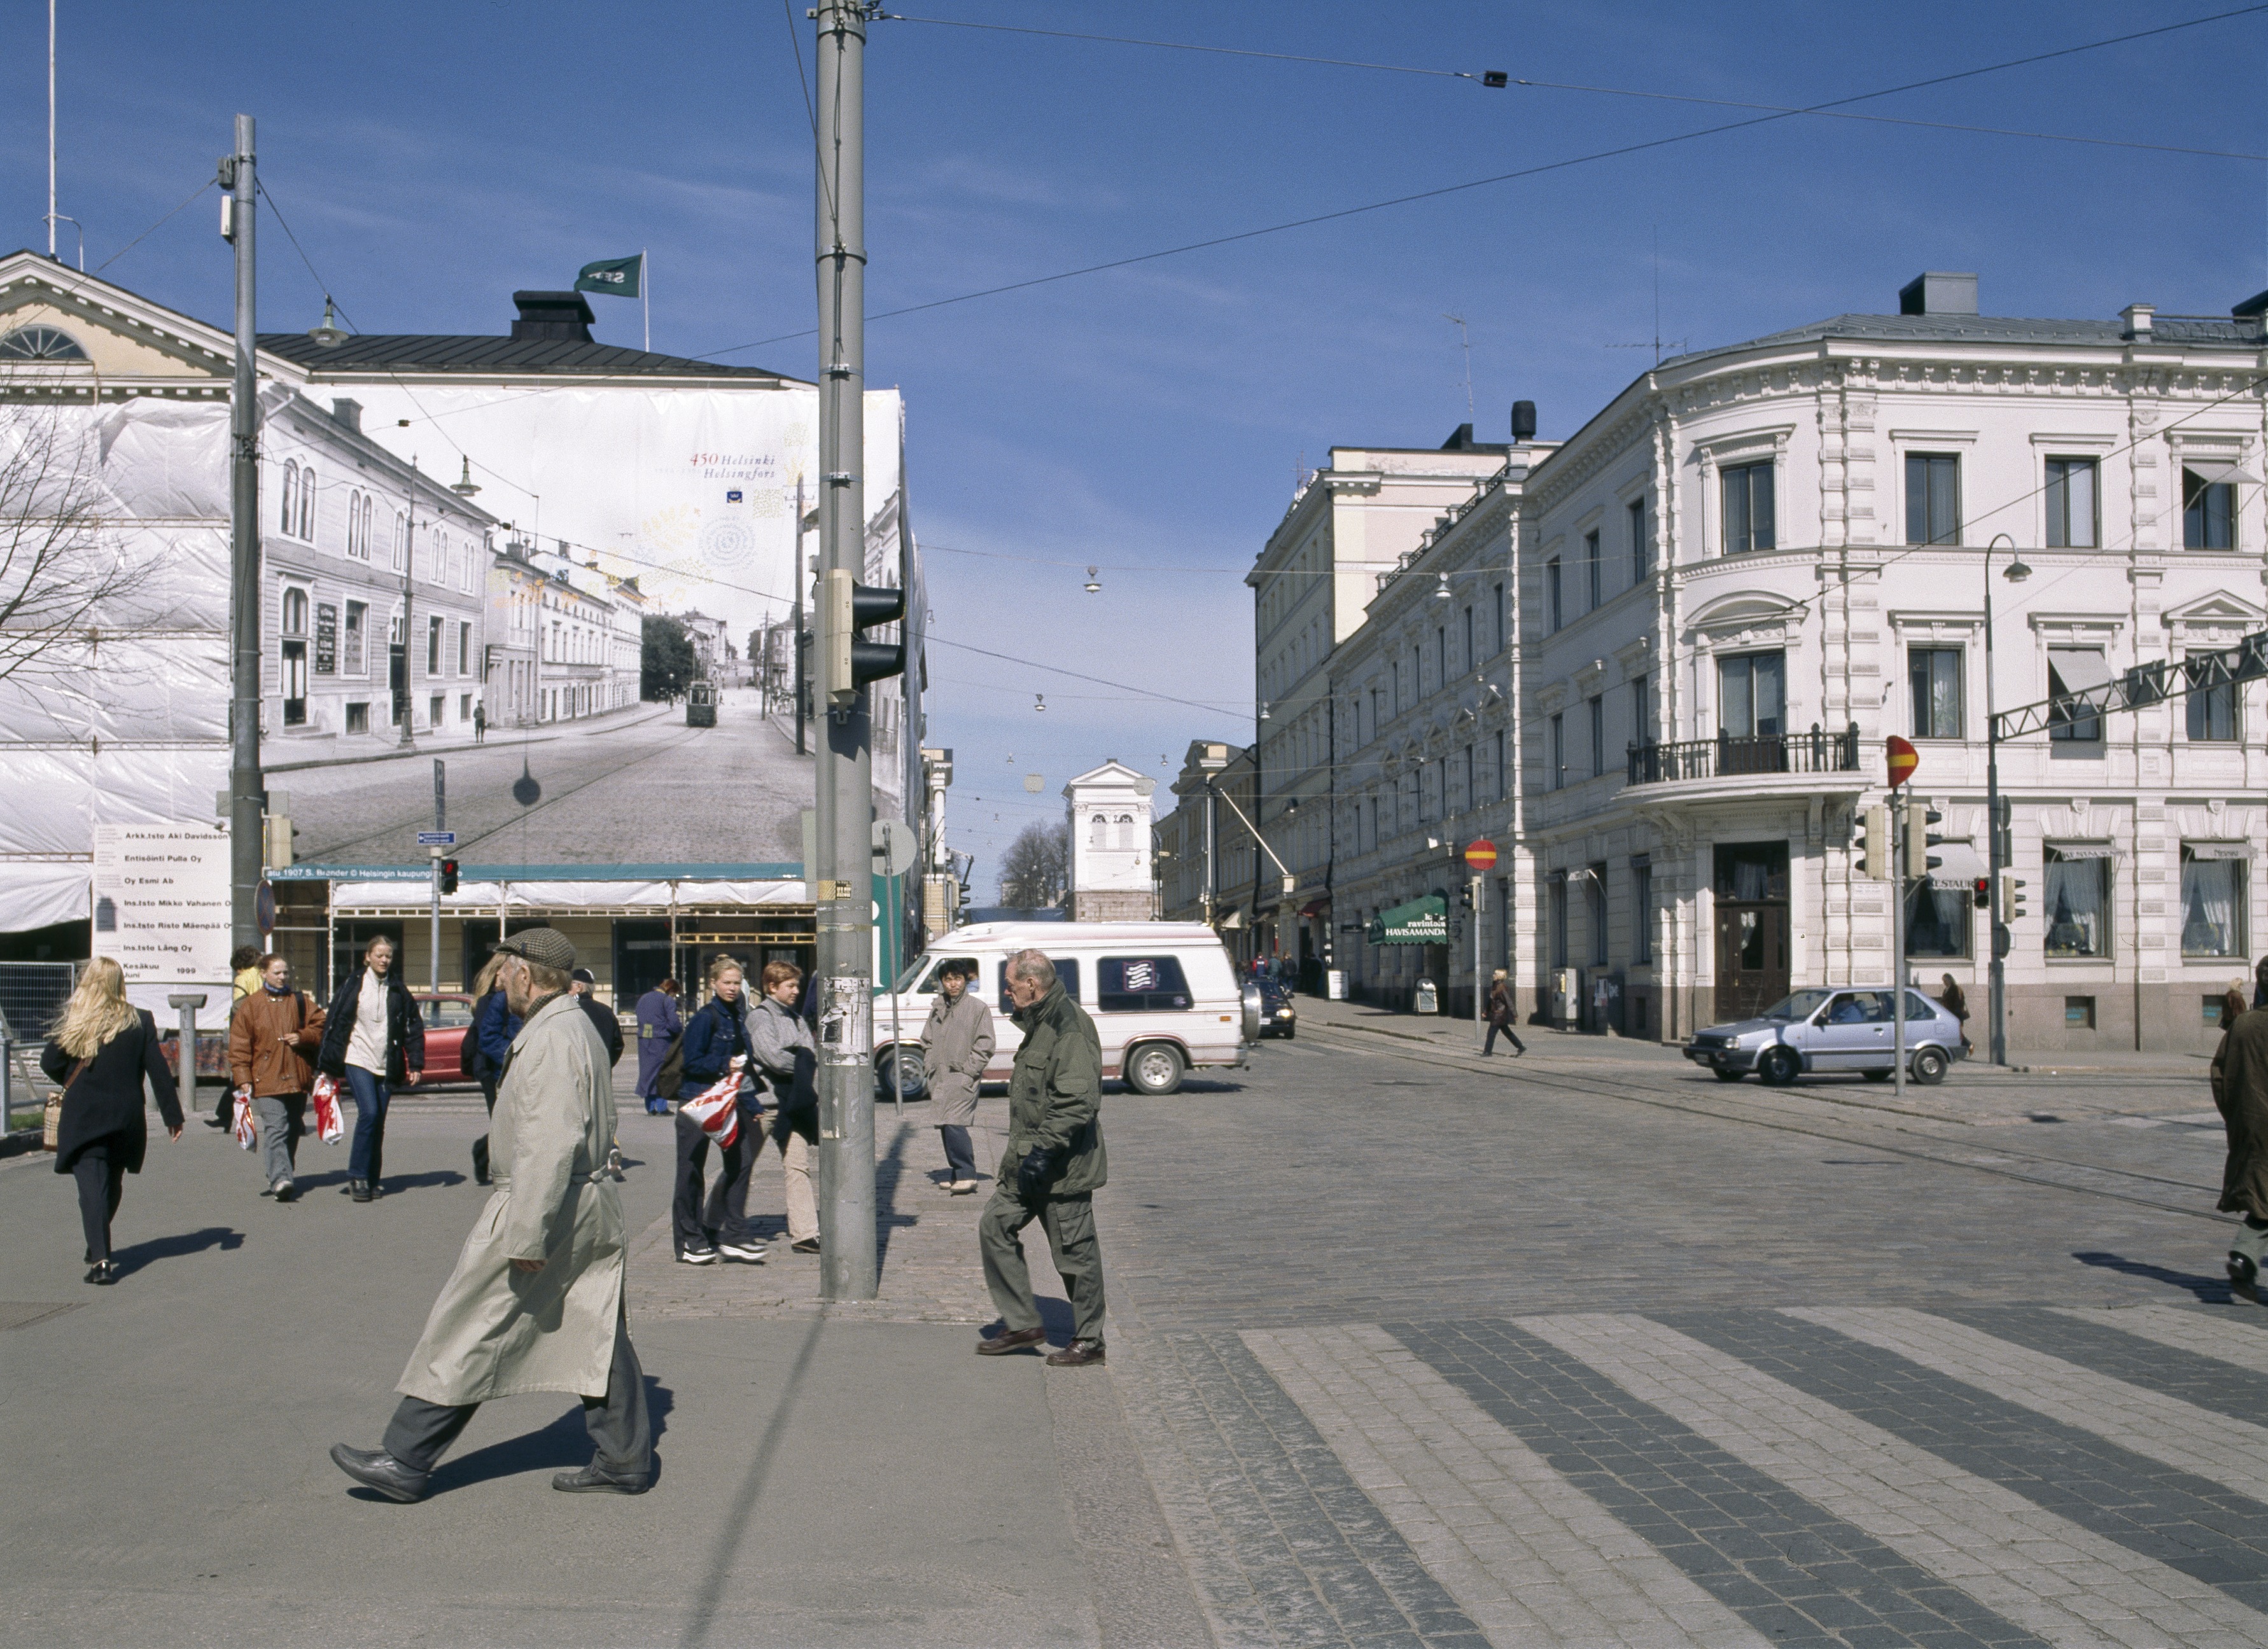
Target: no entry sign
(1904,760)
(1480,855)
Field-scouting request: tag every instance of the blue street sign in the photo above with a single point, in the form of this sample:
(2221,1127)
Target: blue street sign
(437,838)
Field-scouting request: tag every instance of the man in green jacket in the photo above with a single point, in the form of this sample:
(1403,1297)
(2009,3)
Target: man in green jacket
(1051,1168)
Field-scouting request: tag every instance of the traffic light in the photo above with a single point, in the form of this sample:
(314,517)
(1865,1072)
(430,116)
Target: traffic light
(1919,861)
(846,663)
(1873,846)
(1981,889)
(448,876)
(2011,896)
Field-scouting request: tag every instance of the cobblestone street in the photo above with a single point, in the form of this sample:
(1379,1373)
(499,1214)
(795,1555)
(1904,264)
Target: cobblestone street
(1407,1348)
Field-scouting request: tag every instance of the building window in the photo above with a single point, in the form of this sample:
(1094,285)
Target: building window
(1497,636)
(1750,514)
(464,647)
(2071,670)
(1553,614)
(1501,790)
(357,627)
(40,343)
(2212,713)
(1642,911)
(1641,542)
(1751,695)
(1932,499)
(2071,503)
(2212,901)
(433,646)
(1441,655)
(358,717)
(2076,904)
(2208,512)
(1471,657)
(307,502)
(1598,708)
(1938,920)
(1642,709)
(1934,676)
(400,542)
(1594,573)
(2079,1013)
(434,710)
(293,660)
(288,522)
(1558,752)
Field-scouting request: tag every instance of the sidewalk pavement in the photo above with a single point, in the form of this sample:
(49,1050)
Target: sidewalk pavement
(444,744)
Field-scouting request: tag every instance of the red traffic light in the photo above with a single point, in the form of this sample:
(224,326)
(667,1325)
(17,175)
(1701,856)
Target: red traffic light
(1981,888)
(448,876)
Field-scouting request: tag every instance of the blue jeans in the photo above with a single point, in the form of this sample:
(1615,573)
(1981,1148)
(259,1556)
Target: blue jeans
(366,1160)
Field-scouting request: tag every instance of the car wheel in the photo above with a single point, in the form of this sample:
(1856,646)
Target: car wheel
(1723,1075)
(1778,1066)
(889,1061)
(1154,1069)
(1929,1066)
(1875,1076)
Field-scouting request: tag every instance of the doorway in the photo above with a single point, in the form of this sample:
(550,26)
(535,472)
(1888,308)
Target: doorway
(397,669)
(1752,928)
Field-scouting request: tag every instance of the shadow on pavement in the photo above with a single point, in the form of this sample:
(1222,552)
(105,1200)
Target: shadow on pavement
(562,1445)
(2213,1291)
(132,1260)
(395,1182)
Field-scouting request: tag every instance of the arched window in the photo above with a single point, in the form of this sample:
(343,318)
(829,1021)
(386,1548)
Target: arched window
(290,491)
(400,542)
(1095,830)
(295,612)
(40,343)
(1126,831)
(366,503)
(307,502)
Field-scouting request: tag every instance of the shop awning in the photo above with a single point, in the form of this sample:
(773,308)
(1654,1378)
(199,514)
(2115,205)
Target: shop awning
(1421,922)
(1314,907)
(1960,866)
(2218,850)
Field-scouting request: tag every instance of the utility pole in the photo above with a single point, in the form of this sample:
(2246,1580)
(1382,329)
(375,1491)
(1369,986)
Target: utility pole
(1903,811)
(407,740)
(246,788)
(843,839)
(802,578)
(440,822)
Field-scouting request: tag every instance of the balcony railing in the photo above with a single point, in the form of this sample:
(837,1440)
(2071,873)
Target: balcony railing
(1727,757)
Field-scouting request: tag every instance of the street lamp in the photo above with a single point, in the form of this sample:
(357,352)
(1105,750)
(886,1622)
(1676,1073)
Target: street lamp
(1997,1041)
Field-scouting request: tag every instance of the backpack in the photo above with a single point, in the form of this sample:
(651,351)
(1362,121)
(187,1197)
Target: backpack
(670,1077)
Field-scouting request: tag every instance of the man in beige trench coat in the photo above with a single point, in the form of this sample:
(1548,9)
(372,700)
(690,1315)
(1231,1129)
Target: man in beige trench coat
(535,1303)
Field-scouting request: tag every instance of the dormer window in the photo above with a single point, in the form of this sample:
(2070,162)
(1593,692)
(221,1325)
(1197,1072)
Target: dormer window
(40,343)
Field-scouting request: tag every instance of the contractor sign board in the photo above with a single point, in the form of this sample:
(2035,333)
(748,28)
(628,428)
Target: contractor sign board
(161,910)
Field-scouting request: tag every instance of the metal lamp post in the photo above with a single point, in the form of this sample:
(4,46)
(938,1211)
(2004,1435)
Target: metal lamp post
(1997,1039)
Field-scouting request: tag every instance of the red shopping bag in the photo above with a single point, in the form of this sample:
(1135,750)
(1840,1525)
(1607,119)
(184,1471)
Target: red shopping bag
(246,1134)
(715,1108)
(323,1100)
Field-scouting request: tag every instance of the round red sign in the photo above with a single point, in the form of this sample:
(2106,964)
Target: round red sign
(1904,759)
(1480,855)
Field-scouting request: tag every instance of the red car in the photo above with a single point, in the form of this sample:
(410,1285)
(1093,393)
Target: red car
(448,1021)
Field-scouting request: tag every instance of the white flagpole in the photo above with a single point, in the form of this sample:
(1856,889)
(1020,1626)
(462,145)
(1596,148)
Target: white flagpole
(646,300)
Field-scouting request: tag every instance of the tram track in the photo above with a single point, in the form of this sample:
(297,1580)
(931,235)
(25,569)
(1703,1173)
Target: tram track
(2008,1163)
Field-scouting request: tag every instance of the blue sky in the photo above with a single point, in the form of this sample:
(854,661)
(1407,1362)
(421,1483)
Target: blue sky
(433,158)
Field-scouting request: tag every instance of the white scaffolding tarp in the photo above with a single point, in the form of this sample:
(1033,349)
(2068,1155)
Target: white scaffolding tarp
(478,899)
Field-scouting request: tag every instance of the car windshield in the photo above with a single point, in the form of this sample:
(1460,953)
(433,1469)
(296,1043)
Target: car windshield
(1802,1005)
(912,975)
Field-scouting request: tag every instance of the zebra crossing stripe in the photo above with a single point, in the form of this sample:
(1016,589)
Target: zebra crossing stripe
(1531,1558)
(2037,1570)
(2242,1342)
(2231,1452)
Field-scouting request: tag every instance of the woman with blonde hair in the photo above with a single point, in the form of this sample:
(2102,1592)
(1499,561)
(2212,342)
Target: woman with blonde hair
(102,1049)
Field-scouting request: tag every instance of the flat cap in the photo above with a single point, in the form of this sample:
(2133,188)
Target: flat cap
(547,947)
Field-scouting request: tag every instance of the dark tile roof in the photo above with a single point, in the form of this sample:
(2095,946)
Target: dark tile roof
(488,353)
(2232,333)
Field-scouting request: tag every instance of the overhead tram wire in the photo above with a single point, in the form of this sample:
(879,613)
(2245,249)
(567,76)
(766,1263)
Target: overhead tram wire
(154,228)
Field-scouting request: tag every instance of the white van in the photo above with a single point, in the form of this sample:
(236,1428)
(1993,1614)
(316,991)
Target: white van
(1163,996)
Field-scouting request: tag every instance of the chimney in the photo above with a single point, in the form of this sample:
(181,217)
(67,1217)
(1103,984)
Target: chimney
(543,316)
(1938,292)
(1461,440)
(348,413)
(1523,422)
(2254,309)
(2141,320)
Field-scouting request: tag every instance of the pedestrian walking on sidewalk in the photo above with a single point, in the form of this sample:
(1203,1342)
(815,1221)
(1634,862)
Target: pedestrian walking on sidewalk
(585,987)
(536,1301)
(1500,1016)
(1052,1168)
(661,1022)
(705,1230)
(374,1041)
(956,1046)
(2240,1090)
(272,1038)
(103,1048)
(788,1057)
(487,1045)
(1949,995)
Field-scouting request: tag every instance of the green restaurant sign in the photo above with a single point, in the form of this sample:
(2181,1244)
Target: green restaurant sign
(1421,922)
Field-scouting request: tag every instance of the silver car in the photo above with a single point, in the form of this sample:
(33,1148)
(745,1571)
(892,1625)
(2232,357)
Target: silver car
(1823,1029)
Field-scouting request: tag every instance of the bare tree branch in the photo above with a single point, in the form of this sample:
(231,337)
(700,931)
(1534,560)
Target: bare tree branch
(59,566)
(1035,871)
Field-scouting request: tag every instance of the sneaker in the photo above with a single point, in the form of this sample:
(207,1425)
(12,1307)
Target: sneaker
(749,1249)
(360,1189)
(696,1257)
(804,1245)
(962,1188)
(284,1191)
(2244,1278)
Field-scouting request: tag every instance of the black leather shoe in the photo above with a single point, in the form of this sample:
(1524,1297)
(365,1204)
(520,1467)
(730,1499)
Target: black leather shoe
(2244,1278)
(103,1272)
(375,1468)
(999,1344)
(596,1479)
(360,1189)
(1078,1354)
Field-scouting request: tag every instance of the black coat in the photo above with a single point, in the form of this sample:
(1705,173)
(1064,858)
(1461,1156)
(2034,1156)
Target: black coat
(405,1029)
(610,1029)
(104,1104)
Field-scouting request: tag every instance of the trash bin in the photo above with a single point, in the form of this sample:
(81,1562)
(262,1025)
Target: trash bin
(1335,984)
(1429,999)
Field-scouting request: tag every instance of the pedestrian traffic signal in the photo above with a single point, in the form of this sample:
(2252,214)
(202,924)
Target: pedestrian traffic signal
(1872,847)
(1981,889)
(2011,896)
(846,663)
(448,876)
(1919,861)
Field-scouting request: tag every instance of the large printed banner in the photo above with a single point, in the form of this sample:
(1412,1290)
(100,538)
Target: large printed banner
(161,910)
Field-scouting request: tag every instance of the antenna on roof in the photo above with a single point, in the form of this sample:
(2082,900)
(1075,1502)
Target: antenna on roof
(1656,342)
(1467,339)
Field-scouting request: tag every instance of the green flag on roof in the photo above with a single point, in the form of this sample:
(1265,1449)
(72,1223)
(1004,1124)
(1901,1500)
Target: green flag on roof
(618,277)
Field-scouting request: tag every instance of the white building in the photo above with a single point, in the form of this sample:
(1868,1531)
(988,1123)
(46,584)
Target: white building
(1108,813)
